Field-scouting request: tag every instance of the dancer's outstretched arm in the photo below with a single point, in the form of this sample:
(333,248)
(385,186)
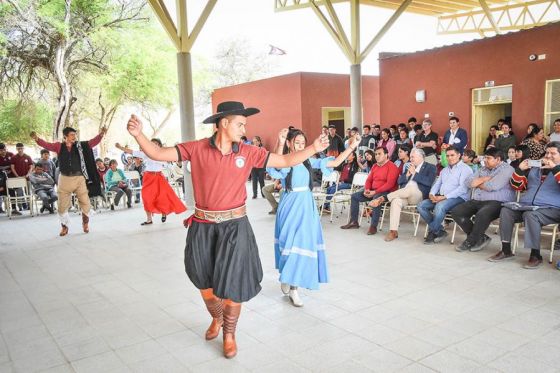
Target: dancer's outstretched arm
(353,143)
(292,159)
(166,154)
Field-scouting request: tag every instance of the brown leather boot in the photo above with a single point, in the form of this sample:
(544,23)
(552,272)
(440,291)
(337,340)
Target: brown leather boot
(231,315)
(215,307)
(391,236)
(85,223)
(64,230)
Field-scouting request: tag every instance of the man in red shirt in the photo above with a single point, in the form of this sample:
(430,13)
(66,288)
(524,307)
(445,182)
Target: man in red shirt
(5,172)
(221,253)
(381,181)
(22,164)
(77,173)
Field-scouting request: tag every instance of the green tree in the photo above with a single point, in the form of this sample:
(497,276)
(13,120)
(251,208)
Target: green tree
(19,118)
(46,45)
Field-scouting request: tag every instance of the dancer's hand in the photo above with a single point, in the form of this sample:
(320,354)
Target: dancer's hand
(134,126)
(282,135)
(321,143)
(103,130)
(354,141)
(33,135)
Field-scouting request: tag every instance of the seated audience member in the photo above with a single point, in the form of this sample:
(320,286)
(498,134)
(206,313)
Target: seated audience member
(468,158)
(449,190)
(387,142)
(521,154)
(364,143)
(506,139)
(414,185)
(268,192)
(536,143)
(382,180)
(491,188)
(367,162)
(401,141)
(101,171)
(116,182)
(538,206)
(404,159)
(555,135)
(428,142)
(47,163)
(492,136)
(347,171)
(455,136)
(511,155)
(532,129)
(43,186)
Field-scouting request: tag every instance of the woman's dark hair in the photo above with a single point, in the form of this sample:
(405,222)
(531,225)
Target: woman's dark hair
(525,152)
(386,130)
(113,161)
(406,148)
(291,137)
(534,131)
(258,138)
(158,141)
(370,152)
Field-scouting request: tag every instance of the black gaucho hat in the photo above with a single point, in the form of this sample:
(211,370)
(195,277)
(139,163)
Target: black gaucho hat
(230,108)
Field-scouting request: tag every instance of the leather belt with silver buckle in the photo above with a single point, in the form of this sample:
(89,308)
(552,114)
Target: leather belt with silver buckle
(220,216)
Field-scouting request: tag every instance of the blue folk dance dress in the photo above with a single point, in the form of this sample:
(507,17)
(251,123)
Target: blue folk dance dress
(298,237)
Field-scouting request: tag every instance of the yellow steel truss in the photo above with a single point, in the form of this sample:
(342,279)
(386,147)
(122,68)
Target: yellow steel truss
(503,18)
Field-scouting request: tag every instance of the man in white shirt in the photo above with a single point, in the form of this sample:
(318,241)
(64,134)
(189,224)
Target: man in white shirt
(555,136)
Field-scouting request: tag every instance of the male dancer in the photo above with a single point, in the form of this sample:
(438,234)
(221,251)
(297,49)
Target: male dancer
(221,254)
(78,173)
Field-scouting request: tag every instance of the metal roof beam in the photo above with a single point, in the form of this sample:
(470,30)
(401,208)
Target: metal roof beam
(489,16)
(384,29)
(166,21)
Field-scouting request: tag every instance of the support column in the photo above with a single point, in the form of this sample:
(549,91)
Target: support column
(187,116)
(356,95)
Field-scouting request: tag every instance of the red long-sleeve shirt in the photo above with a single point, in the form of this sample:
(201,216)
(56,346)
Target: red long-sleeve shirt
(382,178)
(56,146)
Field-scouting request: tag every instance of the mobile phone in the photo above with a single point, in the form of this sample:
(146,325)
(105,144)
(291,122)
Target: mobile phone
(535,163)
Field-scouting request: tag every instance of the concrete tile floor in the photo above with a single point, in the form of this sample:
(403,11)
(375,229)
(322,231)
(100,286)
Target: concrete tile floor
(118,300)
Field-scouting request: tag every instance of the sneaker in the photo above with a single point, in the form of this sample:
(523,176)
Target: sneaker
(129,205)
(481,244)
(294,297)
(285,288)
(429,240)
(465,246)
(42,209)
(500,256)
(533,263)
(440,236)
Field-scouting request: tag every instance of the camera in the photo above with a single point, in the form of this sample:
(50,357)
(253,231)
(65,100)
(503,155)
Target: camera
(535,163)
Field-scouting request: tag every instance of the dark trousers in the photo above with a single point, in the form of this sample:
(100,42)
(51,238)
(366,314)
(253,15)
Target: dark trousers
(534,221)
(257,176)
(484,213)
(358,198)
(119,193)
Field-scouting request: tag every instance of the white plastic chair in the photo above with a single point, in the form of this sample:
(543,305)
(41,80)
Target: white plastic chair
(134,181)
(321,195)
(344,197)
(552,231)
(26,196)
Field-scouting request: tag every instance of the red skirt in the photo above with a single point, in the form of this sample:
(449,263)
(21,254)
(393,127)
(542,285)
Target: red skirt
(158,196)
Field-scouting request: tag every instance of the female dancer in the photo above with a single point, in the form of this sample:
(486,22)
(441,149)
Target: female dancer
(299,248)
(157,195)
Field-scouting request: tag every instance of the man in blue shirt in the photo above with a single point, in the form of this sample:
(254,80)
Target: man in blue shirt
(449,190)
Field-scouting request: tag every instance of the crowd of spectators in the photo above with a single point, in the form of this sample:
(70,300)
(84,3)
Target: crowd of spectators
(43,172)
(516,179)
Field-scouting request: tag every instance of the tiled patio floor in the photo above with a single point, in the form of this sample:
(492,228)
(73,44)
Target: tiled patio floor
(117,300)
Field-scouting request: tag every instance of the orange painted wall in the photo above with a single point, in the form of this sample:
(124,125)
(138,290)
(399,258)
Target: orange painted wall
(297,99)
(449,74)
